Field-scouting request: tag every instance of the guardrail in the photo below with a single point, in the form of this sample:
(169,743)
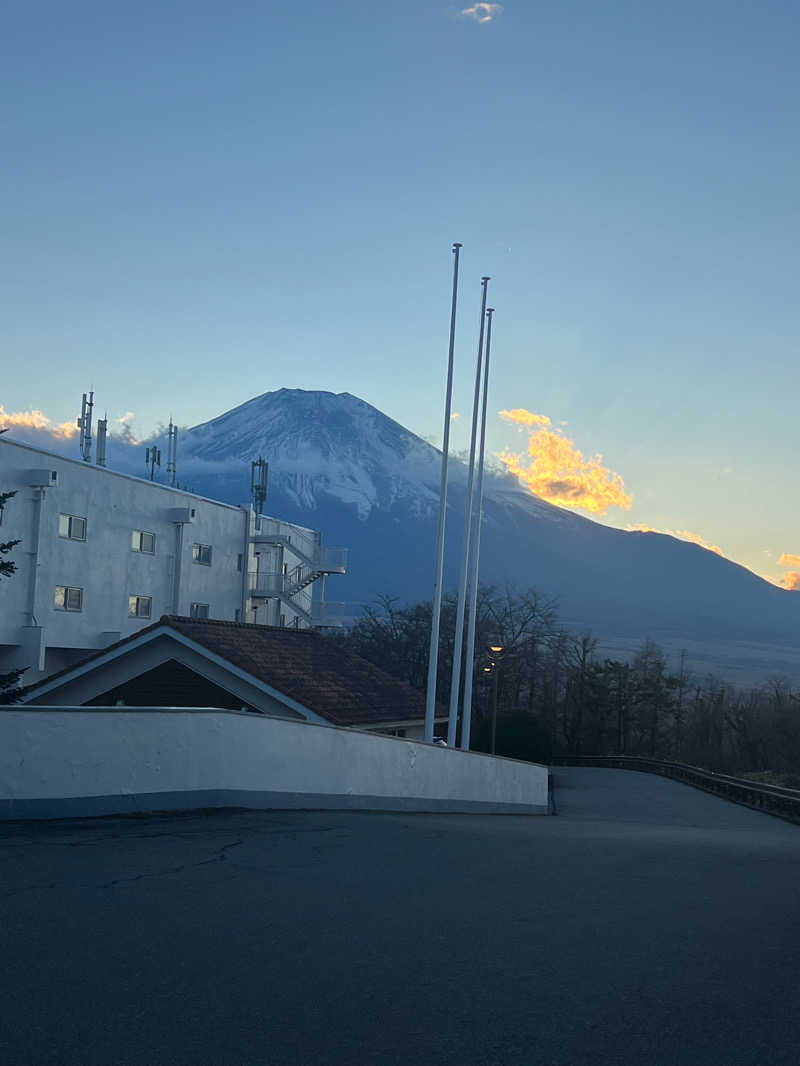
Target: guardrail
(782,802)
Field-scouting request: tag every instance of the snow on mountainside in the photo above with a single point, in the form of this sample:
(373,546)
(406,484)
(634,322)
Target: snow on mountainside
(318,442)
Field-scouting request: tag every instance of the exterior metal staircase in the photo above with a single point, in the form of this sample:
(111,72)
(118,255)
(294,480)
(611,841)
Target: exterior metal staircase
(315,562)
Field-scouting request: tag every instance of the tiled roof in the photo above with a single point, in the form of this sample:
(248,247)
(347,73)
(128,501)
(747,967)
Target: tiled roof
(302,664)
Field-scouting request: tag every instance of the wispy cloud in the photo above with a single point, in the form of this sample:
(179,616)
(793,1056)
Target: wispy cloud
(559,472)
(36,419)
(680,534)
(482,12)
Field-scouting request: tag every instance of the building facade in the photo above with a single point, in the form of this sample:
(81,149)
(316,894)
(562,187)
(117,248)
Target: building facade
(103,554)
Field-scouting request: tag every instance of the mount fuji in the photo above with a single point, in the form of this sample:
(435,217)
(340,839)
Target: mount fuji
(339,465)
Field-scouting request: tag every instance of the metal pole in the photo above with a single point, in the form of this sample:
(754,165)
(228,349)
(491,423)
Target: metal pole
(495,671)
(433,655)
(466,719)
(455,680)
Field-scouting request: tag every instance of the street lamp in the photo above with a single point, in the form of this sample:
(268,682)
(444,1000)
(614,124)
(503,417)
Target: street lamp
(496,651)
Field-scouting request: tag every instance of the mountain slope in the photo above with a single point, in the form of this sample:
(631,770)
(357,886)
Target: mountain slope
(340,465)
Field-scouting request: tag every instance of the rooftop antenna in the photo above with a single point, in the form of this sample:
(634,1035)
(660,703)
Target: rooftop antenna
(433,656)
(85,426)
(455,682)
(259,470)
(152,459)
(172,453)
(102,431)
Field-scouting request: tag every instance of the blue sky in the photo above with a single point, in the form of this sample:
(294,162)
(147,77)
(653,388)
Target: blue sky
(203,202)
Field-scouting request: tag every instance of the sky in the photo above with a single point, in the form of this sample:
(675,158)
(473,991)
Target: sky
(203,202)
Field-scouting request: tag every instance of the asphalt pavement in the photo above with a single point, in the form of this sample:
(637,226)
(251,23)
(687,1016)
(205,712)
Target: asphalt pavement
(646,923)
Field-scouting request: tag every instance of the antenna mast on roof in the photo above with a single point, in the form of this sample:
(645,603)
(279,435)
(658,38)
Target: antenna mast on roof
(85,426)
(100,451)
(152,459)
(259,470)
(172,453)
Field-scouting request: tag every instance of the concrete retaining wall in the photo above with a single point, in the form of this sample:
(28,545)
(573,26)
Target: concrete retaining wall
(67,762)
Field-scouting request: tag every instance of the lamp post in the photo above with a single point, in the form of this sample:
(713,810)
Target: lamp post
(496,650)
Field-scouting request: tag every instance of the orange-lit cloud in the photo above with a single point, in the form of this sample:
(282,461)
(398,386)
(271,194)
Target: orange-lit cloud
(558,472)
(791,579)
(680,534)
(36,419)
(525,418)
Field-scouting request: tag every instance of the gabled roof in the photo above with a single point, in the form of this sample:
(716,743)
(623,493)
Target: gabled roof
(308,668)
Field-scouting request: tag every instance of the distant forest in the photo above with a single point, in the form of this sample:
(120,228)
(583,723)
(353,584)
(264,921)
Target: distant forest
(556,696)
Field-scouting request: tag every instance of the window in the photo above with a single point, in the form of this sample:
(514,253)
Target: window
(198,610)
(143,542)
(237,615)
(140,606)
(71,527)
(201,553)
(283,620)
(68,599)
(238,561)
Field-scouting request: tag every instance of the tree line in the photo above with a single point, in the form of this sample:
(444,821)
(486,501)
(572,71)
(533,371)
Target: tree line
(557,696)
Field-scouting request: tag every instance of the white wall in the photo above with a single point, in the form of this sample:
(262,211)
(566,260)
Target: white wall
(71,762)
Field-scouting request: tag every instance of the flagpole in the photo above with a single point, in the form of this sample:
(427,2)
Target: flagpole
(433,655)
(466,720)
(455,681)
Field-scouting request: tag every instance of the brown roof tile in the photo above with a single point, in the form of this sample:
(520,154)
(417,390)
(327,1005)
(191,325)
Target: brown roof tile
(307,667)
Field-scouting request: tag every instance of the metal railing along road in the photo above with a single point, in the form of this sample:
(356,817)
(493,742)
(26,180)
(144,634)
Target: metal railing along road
(782,802)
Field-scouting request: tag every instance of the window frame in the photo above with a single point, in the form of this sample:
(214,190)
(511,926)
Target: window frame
(193,608)
(142,533)
(67,589)
(198,550)
(136,599)
(69,535)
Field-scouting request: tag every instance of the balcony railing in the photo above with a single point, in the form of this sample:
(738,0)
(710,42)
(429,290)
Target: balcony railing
(305,545)
(330,613)
(267,585)
(333,560)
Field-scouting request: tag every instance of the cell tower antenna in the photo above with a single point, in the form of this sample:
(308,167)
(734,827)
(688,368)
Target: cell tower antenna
(152,459)
(81,423)
(102,431)
(259,472)
(84,424)
(172,453)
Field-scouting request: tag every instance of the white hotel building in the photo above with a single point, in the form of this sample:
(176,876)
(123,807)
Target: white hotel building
(102,554)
